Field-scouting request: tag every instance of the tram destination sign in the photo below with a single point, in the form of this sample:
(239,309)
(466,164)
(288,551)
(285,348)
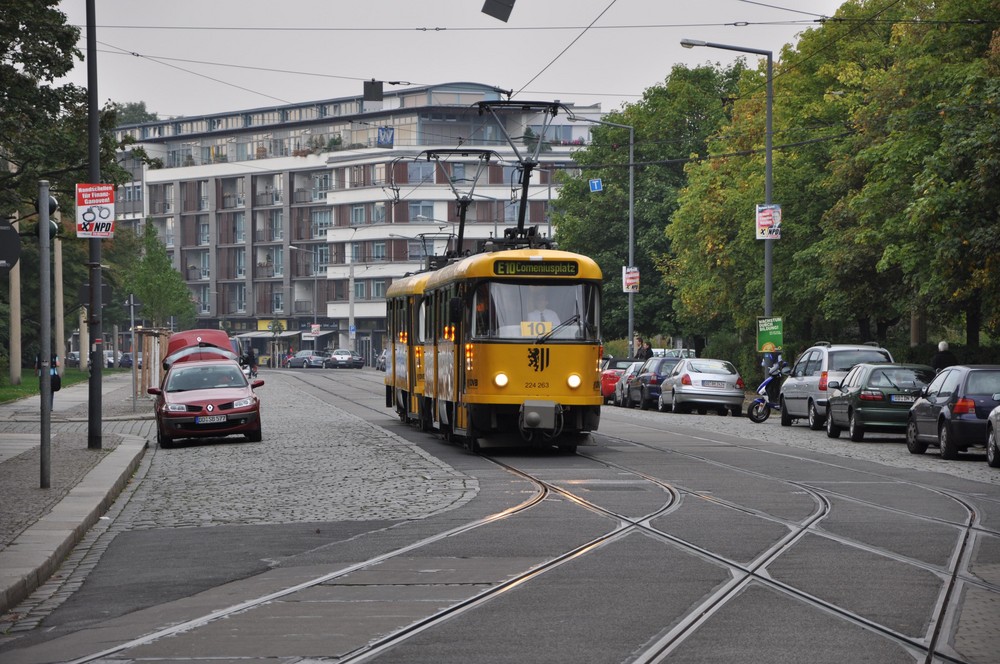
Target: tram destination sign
(536,268)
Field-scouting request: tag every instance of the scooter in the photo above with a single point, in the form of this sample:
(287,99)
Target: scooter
(760,409)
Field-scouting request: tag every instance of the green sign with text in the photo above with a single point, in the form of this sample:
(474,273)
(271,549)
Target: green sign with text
(769,335)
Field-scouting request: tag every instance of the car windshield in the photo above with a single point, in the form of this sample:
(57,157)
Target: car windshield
(527,312)
(900,377)
(843,360)
(712,367)
(205,378)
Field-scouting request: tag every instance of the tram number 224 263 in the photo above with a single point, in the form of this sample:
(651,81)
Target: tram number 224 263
(535,385)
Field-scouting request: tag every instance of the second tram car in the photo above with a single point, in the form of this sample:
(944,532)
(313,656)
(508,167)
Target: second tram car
(507,341)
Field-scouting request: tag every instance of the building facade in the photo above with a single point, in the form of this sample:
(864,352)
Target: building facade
(289,223)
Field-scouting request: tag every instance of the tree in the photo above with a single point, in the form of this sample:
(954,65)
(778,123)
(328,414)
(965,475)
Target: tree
(134,112)
(44,136)
(158,285)
(671,122)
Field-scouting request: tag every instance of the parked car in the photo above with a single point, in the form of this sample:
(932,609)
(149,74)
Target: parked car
(380,362)
(206,399)
(342,358)
(612,369)
(702,383)
(806,390)
(951,413)
(644,390)
(306,359)
(109,359)
(125,361)
(874,397)
(73,359)
(621,387)
(993,436)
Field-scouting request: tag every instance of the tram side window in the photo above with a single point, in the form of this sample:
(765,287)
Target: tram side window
(485,320)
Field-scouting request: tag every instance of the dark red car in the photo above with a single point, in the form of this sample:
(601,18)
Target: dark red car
(206,399)
(612,369)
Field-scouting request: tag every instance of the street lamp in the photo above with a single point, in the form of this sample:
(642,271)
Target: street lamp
(631,211)
(768,242)
(315,283)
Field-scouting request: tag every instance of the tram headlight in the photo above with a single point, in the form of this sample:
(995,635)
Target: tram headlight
(574,381)
(501,379)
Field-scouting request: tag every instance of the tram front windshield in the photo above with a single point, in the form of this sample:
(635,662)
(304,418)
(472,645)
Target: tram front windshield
(529,312)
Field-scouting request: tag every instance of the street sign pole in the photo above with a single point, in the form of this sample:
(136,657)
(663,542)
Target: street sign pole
(45,328)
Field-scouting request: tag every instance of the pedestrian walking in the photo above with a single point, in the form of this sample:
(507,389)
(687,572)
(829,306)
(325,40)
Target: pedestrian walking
(646,352)
(943,358)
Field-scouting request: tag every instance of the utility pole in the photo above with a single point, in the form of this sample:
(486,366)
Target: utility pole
(94,439)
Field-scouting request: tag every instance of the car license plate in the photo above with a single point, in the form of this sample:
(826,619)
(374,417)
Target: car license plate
(713,383)
(209,419)
(903,398)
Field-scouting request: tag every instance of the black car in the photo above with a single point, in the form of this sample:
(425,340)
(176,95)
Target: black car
(644,389)
(952,411)
(125,361)
(73,359)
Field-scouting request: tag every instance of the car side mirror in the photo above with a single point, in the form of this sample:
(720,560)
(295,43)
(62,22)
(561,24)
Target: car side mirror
(834,385)
(153,390)
(257,383)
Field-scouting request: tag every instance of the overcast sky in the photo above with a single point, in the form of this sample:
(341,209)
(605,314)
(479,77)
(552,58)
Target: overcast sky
(193,57)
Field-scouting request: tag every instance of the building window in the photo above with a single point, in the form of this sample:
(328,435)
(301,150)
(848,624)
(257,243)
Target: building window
(355,252)
(204,305)
(359,290)
(206,263)
(241,299)
(241,263)
(320,221)
(378,213)
(357,215)
(378,250)
(277,302)
(378,288)
(416,250)
(276,224)
(203,233)
(279,263)
(240,227)
(421,210)
(420,171)
(458,172)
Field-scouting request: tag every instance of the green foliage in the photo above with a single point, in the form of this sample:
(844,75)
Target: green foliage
(670,122)
(156,283)
(885,166)
(134,112)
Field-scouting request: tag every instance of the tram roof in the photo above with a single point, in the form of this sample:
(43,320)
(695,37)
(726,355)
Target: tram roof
(412,284)
(517,264)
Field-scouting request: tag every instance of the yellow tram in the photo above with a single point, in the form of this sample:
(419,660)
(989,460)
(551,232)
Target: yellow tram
(508,342)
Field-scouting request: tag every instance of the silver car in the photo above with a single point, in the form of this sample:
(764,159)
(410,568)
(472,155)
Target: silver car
(703,383)
(805,392)
(993,436)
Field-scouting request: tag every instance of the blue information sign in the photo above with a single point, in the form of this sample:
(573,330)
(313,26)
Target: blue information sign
(596,185)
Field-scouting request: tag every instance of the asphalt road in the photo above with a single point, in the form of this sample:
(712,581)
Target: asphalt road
(345,535)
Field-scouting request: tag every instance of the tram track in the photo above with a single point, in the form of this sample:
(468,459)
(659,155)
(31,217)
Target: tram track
(742,574)
(954,575)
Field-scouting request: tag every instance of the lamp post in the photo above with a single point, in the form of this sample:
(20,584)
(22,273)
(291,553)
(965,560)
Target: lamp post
(768,242)
(315,285)
(631,211)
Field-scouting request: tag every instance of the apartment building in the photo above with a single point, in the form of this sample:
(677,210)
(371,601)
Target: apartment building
(289,222)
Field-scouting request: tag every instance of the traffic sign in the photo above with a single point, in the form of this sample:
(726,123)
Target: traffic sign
(596,185)
(10,248)
(95,210)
